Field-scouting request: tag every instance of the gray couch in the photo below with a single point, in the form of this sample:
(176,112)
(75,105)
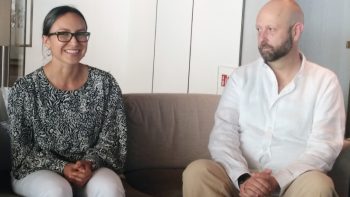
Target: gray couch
(165,133)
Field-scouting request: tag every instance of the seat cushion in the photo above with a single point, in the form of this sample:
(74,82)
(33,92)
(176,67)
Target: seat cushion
(157,182)
(7,194)
(131,191)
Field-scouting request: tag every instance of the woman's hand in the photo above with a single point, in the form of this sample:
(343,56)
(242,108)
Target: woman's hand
(78,173)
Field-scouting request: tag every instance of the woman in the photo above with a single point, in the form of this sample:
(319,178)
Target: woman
(68,127)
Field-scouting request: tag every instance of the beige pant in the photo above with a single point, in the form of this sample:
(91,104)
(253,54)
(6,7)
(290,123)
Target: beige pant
(207,178)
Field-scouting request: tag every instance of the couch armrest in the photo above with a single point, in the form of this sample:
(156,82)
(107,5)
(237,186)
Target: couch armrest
(5,159)
(340,173)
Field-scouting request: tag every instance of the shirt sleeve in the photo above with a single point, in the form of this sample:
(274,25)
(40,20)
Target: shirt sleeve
(326,138)
(26,157)
(110,150)
(224,143)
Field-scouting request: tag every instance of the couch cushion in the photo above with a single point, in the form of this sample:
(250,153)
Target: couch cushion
(131,191)
(157,182)
(168,130)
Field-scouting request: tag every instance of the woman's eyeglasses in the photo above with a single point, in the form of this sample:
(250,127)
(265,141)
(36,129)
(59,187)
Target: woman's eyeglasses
(67,36)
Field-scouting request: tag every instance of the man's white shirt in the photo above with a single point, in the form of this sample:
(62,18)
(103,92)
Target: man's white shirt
(301,128)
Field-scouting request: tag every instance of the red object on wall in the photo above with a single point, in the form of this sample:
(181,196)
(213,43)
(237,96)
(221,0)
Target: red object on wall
(224,79)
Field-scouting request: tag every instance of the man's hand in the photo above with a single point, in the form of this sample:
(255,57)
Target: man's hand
(78,173)
(260,184)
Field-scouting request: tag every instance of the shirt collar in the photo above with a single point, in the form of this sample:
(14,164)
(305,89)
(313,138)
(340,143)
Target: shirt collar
(301,69)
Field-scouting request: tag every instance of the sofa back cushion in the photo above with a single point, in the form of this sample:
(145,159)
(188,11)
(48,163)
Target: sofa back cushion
(168,130)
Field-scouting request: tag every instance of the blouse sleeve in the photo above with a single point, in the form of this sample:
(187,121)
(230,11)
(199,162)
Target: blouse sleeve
(110,150)
(27,157)
(326,138)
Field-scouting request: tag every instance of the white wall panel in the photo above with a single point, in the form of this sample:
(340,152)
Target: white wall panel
(215,42)
(172,49)
(141,37)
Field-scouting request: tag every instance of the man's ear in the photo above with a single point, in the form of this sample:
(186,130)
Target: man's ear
(297,30)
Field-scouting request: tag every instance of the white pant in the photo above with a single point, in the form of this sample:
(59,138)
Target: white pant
(45,183)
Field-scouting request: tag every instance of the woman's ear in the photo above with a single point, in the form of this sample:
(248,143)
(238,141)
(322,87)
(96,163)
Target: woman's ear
(46,42)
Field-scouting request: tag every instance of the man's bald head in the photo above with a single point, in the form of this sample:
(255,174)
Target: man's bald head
(285,10)
(279,25)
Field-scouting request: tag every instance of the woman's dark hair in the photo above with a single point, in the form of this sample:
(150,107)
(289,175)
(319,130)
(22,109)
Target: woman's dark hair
(55,13)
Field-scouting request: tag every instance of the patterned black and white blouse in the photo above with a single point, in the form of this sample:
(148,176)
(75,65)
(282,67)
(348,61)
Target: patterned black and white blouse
(51,127)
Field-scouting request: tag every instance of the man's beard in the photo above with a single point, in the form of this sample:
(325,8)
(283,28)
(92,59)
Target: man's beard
(275,53)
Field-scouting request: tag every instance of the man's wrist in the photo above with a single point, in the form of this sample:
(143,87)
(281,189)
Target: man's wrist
(241,179)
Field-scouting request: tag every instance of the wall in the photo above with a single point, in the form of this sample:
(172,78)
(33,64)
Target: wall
(140,46)
(250,50)
(216,40)
(154,45)
(5,9)
(178,46)
(324,39)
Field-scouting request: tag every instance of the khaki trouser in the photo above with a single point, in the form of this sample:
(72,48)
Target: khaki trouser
(207,178)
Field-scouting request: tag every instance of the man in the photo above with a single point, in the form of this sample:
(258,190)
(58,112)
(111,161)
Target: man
(280,122)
